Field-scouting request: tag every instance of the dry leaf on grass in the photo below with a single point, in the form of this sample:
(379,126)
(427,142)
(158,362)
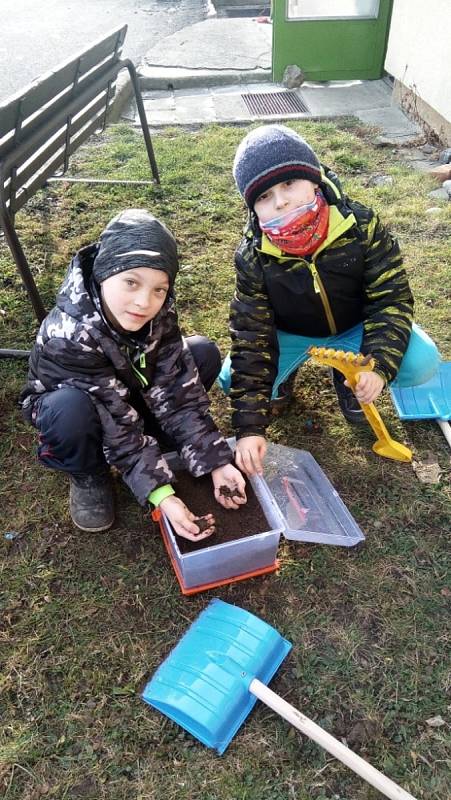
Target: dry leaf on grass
(428,470)
(435,722)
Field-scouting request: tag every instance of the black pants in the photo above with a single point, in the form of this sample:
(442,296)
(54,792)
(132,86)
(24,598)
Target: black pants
(70,432)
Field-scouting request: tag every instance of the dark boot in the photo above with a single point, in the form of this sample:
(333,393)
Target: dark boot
(91,502)
(349,405)
(284,397)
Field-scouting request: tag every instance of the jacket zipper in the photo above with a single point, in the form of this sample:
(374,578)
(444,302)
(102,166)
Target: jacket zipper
(318,285)
(142,363)
(319,289)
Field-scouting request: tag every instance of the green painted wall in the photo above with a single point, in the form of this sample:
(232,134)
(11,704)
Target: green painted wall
(330,49)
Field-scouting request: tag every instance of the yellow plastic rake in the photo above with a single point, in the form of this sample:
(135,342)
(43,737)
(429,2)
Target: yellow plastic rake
(350,364)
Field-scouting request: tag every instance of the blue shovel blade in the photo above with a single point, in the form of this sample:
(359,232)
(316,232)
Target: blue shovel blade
(203,684)
(430,400)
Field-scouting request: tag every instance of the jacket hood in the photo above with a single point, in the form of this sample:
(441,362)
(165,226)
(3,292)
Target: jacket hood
(79,297)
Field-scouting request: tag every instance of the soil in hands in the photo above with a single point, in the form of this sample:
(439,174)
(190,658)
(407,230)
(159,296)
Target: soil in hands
(197,494)
(226,491)
(203,523)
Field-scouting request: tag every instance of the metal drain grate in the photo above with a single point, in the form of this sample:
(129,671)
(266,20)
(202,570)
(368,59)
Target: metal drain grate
(263,104)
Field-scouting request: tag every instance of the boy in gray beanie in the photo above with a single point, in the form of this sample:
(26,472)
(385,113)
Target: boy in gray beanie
(111,378)
(313,268)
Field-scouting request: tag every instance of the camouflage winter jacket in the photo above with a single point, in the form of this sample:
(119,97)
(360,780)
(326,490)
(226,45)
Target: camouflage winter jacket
(355,276)
(77,347)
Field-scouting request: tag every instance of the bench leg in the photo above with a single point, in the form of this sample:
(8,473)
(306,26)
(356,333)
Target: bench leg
(22,264)
(14,353)
(143,118)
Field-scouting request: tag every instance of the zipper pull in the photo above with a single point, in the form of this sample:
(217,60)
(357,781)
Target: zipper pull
(315,278)
(142,360)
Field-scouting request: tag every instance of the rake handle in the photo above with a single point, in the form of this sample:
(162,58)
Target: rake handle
(328,742)
(372,414)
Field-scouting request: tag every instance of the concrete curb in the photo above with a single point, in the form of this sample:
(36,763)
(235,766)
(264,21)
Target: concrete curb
(162,78)
(123,93)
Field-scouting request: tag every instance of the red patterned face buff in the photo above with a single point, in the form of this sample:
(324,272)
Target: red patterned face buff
(301,231)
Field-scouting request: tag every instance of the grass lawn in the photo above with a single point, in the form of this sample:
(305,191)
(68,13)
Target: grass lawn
(85,620)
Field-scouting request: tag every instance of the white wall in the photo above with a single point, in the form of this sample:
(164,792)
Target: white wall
(419,50)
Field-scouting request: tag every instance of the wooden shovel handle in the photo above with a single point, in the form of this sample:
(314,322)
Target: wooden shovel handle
(445,428)
(328,742)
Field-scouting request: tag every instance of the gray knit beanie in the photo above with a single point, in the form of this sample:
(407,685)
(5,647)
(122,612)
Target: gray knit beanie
(269,155)
(135,238)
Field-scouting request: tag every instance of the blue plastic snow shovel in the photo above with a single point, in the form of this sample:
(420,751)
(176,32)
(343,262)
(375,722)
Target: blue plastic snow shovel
(211,680)
(430,400)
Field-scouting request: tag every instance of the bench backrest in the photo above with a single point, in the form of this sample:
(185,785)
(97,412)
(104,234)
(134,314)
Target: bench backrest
(45,123)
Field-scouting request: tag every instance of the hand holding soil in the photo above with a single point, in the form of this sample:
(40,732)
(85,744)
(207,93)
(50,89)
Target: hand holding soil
(230,486)
(205,524)
(184,522)
(226,491)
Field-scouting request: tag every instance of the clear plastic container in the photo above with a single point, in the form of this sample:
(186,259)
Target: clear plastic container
(311,509)
(297,500)
(231,559)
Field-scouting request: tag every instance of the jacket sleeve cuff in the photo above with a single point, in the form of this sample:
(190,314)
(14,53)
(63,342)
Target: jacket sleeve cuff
(380,369)
(160,494)
(382,375)
(250,432)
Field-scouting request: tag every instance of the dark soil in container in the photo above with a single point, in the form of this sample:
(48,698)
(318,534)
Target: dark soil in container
(230,525)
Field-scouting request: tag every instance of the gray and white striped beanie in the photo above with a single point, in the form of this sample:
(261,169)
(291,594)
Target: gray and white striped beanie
(271,154)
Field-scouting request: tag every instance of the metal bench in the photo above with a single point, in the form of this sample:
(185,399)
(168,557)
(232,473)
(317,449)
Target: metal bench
(43,125)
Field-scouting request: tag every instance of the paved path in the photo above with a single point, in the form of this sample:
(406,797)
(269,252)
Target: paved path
(199,75)
(369,101)
(214,51)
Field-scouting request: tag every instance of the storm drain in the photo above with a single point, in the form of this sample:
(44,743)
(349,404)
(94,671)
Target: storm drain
(264,104)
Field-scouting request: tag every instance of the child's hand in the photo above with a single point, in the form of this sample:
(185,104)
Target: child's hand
(250,453)
(229,486)
(183,520)
(369,386)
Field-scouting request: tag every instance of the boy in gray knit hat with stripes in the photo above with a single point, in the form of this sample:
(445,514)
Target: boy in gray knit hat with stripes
(313,268)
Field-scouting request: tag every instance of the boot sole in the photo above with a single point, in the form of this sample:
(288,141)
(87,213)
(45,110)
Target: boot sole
(93,530)
(355,420)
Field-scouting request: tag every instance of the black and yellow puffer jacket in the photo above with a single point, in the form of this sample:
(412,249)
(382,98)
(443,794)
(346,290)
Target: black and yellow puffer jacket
(355,276)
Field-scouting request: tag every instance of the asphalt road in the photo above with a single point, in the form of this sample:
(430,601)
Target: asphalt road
(36,35)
